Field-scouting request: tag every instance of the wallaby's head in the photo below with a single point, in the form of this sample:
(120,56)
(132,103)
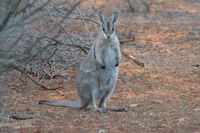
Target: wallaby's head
(107,28)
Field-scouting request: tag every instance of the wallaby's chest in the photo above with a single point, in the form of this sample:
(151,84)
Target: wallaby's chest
(109,57)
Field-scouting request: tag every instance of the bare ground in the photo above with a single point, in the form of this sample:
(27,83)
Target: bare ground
(163,96)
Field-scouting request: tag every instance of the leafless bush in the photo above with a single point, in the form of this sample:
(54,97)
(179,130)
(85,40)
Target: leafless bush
(43,35)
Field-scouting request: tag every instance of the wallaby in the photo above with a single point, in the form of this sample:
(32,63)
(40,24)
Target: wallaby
(98,73)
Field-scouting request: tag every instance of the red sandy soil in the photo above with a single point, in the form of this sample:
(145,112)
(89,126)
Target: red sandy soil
(161,97)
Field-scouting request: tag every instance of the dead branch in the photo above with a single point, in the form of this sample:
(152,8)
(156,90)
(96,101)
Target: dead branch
(147,5)
(130,6)
(21,21)
(84,49)
(16,66)
(85,18)
(70,11)
(9,15)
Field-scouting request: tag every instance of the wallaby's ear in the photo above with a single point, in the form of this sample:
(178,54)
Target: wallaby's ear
(100,16)
(114,17)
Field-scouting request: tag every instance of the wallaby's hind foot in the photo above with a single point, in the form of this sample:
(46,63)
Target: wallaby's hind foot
(117,109)
(100,110)
(109,109)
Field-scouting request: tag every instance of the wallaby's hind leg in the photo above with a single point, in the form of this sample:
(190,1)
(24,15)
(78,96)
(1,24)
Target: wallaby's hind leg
(102,103)
(94,106)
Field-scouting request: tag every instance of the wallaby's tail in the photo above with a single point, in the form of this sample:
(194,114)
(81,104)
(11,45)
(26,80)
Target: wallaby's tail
(63,103)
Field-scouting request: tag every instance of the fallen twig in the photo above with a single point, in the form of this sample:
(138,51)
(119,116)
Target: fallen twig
(130,6)
(127,41)
(134,59)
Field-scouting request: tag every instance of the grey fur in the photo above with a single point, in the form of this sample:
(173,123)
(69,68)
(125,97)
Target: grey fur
(100,16)
(114,17)
(97,76)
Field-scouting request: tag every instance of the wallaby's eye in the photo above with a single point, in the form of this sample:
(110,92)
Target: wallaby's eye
(112,29)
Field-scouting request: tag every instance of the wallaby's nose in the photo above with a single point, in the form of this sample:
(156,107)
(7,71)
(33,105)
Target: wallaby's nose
(108,36)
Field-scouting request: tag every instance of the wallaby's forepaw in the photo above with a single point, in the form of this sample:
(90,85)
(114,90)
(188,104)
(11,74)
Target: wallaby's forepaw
(117,64)
(103,66)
